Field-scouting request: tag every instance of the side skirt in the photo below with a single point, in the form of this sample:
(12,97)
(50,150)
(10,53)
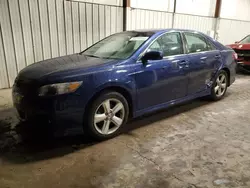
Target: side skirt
(172,103)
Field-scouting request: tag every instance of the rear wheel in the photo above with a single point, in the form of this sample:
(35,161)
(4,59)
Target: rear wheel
(108,113)
(219,86)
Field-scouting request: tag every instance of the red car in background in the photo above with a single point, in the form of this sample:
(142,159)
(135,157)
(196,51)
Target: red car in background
(242,48)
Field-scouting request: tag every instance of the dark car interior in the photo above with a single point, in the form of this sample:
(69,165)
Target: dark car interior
(197,47)
(167,46)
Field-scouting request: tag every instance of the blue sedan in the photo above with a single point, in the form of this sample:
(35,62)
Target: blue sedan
(124,76)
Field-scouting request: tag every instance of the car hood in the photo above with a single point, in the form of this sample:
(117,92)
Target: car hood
(240,46)
(59,64)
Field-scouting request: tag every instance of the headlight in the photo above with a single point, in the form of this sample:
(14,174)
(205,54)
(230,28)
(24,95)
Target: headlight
(58,89)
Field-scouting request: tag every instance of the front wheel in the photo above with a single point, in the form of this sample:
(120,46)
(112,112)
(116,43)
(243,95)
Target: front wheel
(219,86)
(108,113)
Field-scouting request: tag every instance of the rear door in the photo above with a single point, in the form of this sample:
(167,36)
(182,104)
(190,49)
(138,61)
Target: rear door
(204,60)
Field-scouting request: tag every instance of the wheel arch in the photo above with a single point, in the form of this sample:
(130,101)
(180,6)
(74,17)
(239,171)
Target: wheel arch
(123,91)
(228,74)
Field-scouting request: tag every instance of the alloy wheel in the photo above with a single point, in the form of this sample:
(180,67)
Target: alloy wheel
(109,116)
(220,86)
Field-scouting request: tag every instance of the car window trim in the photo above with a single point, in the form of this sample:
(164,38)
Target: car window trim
(206,40)
(212,45)
(165,57)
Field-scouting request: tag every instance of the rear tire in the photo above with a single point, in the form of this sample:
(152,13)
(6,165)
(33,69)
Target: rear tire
(220,85)
(106,116)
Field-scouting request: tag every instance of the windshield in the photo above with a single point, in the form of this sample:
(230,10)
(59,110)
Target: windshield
(118,46)
(246,40)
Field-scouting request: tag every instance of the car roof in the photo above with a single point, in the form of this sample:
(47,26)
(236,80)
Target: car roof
(162,30)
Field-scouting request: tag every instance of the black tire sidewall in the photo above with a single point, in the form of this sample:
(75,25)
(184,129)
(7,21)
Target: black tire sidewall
(213,94)
(89,123)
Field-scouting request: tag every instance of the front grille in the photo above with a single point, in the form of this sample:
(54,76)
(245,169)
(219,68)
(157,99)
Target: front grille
(243,52)
(246,58)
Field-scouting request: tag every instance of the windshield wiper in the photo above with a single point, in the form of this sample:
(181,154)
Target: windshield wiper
(91,55)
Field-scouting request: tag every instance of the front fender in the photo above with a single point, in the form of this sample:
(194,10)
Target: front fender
(119,78)
(127,89)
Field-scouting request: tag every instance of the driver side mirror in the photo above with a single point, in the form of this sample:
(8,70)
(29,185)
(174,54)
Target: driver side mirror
(151,55)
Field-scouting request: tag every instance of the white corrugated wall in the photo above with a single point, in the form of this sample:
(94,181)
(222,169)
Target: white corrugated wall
(200,23)
(33,30)
(145,19)
(234,22)
(149,14)
(230,31)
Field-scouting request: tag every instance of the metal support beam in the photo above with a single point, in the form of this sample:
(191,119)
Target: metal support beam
(217,9)
(216,16)
(174,13)
(126,3)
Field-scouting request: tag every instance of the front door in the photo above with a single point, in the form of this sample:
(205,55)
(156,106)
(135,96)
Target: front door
(161,81)
(203,59)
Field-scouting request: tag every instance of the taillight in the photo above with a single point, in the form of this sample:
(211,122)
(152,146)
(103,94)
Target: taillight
(235,56)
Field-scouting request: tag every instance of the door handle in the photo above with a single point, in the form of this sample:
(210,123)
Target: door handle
(164,67)
(183,64)
(203,59)
(217,56)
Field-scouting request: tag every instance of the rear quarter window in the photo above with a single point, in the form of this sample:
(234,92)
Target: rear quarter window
(198,43)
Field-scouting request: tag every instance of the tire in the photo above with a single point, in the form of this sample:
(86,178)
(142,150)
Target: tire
(103,121)
(218,90)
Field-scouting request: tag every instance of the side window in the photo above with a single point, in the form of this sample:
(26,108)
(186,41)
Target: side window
(196,43)
(169,43)
(210,46)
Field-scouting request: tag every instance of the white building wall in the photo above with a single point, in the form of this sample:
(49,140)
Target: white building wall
(196,7)
(163,5)
(145,19)
(234,22)
(233,25)
(235,9)
(35,30)
(149,14)
(194,22)
(104,2)
(230,31)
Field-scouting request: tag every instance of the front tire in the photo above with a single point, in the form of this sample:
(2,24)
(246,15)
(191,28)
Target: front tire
(219,87)
(107,114)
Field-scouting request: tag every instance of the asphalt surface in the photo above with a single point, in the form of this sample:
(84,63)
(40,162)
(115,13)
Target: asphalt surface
(197,144)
